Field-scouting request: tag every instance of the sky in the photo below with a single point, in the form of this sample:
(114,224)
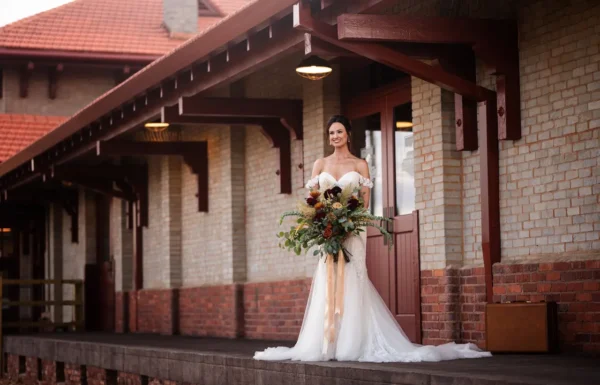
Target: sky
(13,10)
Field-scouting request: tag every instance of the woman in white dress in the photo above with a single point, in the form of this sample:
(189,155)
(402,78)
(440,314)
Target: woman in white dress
(366,330)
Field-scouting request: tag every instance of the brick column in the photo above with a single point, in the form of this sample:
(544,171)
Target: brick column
(439,201)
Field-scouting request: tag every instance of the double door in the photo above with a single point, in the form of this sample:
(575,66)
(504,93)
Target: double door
(382,134)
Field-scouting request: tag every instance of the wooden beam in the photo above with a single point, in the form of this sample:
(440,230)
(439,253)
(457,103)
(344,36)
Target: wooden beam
(390,57)
(171,115)
(460,61)
(24,75)
(315,46)
(53,73)
(490,191)
(418,29)
(288,110)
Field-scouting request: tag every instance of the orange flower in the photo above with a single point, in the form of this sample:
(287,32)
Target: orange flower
(315,193)
(328,232)
(319,205)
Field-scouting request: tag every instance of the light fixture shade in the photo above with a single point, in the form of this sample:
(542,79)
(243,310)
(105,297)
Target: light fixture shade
(313,68)
(156,126)
(403,124)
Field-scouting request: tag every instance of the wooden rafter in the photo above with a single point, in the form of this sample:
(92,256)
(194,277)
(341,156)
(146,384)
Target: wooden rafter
(195,155)
(390,57)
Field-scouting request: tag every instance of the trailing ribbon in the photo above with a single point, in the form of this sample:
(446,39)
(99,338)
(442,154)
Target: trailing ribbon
(334,297)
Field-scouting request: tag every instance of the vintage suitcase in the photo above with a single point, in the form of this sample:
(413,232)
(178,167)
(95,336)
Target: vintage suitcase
(521,327)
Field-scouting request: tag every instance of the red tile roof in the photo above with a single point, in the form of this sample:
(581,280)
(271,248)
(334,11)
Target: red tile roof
(18,131)
(109,26)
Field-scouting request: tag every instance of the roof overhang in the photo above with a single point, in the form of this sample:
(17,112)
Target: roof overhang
(56,55)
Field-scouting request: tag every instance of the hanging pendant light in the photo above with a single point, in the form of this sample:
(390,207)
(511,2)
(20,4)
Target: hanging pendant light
(156,126)
(313,68)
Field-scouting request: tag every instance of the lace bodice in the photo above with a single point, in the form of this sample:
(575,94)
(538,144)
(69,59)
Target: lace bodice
(325,180)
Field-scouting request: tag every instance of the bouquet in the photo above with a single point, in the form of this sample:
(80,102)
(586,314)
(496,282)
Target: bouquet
(326,219)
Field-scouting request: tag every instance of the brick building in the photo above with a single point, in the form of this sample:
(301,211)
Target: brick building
(192,245)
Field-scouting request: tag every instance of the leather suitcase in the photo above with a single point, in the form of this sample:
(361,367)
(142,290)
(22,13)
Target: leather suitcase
(522,327)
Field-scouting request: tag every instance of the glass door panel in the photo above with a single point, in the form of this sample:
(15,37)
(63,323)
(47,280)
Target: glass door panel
(367,144)
(404,175)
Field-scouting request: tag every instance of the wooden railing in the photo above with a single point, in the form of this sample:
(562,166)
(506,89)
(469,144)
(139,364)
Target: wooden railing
(77,303)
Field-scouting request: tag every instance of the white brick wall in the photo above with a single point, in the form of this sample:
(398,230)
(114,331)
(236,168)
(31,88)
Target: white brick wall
(549,180)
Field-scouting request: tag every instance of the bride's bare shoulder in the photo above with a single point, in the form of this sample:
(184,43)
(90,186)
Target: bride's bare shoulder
(361,166)
(318,166)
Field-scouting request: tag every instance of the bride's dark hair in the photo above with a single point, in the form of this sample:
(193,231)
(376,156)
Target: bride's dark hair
(340,119)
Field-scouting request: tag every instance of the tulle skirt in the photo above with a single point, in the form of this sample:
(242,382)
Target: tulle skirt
(366,331)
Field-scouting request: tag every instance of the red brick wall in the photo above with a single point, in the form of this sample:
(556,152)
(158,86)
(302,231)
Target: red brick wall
(31,371)
(575,286)
(119,316)
(132,295)
(211,311)
(13,367)
(72,374)
(439,306)
(124,378)
(275,310)
(154,311)
(49,372)
(453,300)
(95,375)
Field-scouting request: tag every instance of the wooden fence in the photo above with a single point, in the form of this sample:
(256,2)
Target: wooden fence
(78,310)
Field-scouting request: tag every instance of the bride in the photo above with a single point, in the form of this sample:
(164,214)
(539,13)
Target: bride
(366,330)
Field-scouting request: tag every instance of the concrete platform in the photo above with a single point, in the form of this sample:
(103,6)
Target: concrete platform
(211,361)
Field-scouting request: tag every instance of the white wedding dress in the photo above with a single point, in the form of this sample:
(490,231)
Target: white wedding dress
(367,330)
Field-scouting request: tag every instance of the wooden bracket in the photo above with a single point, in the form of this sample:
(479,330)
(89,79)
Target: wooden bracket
(131,181)
(275,129)
(194,153)
(69,199)
(53,73)
(198,162)
(24,76)
(461,61)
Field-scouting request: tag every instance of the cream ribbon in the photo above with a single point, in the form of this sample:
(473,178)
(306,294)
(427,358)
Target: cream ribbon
(334,298)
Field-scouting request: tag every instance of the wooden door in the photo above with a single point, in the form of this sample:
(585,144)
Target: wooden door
(387,147)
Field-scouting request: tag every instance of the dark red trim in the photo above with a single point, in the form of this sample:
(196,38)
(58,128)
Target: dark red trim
(29,54)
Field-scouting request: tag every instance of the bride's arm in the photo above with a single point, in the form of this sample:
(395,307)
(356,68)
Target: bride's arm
(363,170)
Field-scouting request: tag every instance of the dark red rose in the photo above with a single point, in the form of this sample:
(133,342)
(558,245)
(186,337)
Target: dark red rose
(319,216)
(353,203)
(332,192)
(311,201)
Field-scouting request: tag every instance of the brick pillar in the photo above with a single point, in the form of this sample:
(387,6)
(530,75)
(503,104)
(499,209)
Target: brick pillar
(438,185)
